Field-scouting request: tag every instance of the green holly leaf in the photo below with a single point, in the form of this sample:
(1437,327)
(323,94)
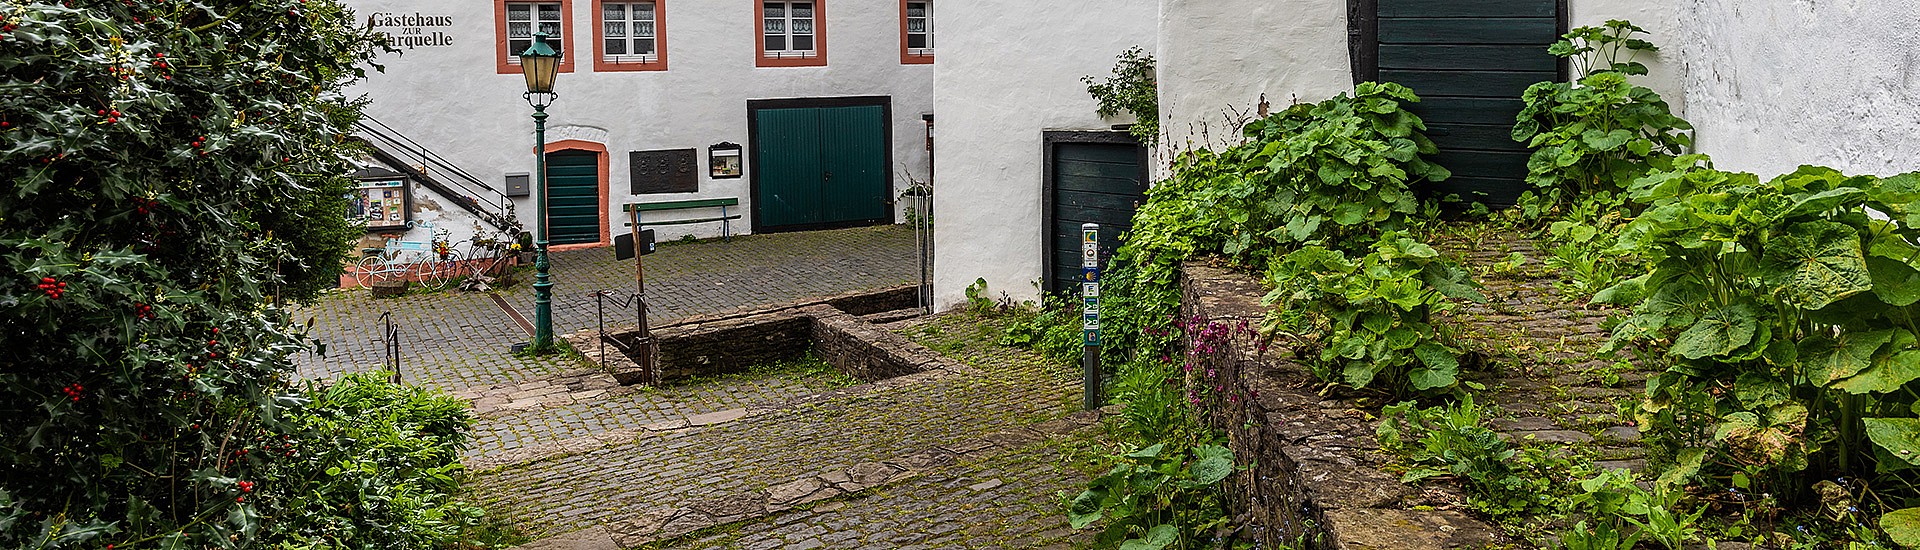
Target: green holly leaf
(1900,437)
(1815,264)
(1718,333)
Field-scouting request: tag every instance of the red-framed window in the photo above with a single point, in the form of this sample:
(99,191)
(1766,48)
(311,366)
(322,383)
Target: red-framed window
(791,33)
(515,22)
(632,35)
(916,32)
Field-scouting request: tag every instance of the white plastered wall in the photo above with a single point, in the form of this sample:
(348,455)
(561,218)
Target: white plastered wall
(452,99)
(1009,70)
(1774,85)
(1217,58)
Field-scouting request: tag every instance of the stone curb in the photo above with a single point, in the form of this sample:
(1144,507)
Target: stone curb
(669,523)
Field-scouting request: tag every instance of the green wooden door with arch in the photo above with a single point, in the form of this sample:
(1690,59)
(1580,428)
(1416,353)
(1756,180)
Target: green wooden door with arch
(573,197)
(820,164)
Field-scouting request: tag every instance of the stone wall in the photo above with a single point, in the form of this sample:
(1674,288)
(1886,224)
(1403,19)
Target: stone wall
(1315,467)
(733,343)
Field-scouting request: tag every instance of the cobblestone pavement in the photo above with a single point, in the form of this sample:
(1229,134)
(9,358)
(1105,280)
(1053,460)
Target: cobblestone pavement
(1008,501)
(1015,388)
(631,408)
(456,340)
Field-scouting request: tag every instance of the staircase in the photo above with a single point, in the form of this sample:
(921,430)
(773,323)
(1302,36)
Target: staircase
(402,153)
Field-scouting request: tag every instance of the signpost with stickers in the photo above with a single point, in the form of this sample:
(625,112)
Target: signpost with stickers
(1090,314)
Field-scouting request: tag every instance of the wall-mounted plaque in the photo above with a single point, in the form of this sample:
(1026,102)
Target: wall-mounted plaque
(665,171)
(723,160)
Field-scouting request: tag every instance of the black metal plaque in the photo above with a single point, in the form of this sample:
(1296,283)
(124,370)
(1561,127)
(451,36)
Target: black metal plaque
(665,171)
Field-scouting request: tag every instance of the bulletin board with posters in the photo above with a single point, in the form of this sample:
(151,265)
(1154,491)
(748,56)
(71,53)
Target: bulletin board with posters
(383,203)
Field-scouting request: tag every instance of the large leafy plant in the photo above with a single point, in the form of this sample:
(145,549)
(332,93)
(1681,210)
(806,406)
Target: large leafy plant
(1451,440)
(1156,498)
(171,170)
(1602,131)
(1368,321)
(1131,90)
(1782,313)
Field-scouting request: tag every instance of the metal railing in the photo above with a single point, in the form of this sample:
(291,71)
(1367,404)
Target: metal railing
(416,161)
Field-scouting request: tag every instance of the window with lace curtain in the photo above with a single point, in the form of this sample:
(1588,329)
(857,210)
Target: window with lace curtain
(631,36)
(522,18)
(916,31)
(791,31)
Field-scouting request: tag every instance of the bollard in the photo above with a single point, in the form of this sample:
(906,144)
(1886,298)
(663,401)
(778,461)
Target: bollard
(1090,299)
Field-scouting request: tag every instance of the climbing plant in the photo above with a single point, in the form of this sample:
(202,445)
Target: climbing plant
(1132,89)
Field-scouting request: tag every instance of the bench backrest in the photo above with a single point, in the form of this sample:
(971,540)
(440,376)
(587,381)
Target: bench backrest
(679,205)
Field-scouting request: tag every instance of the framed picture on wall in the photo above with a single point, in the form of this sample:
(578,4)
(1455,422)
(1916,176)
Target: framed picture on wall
(723,159)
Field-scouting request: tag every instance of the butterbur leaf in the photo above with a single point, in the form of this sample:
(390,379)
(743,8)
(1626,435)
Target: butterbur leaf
(1900,437)
(1894,282)
(1719,333)
(1759,391)
(1149,452)
(1085,508)
(1815,264)
(1686,464)
(1606,141)
(1157,538)
(1889,373)
(1827,360)
(1211,464)
(1903,526)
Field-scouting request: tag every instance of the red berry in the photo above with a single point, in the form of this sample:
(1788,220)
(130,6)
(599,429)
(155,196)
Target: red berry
(240,499)
(46,279)
(101,112)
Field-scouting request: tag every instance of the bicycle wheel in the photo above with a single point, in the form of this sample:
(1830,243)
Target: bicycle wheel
(363,272)
(436,272)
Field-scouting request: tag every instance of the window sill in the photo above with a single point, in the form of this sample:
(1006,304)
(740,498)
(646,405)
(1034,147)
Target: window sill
(635,64)
(791,59)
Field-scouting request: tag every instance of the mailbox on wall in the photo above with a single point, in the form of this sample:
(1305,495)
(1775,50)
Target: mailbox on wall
(519,184)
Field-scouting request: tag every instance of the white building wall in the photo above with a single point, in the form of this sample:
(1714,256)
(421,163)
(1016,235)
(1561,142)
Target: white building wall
(1218,57)
(452,99)
(1774,85)
(1009,70)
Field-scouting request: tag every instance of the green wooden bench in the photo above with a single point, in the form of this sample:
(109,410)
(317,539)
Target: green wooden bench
(725,218)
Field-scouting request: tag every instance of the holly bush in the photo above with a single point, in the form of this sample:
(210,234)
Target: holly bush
(174,171)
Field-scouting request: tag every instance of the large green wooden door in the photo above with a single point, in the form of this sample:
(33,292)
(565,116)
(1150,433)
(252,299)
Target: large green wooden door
(820,167)
(1099,183)
(1470,60)
(573,201)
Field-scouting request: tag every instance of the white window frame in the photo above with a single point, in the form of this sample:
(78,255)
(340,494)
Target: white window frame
(787,33)
(926,20)
(629,26)
(555,34)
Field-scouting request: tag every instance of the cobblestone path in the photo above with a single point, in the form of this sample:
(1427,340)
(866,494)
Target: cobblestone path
(1009,501)
(1012,389)
(457,340)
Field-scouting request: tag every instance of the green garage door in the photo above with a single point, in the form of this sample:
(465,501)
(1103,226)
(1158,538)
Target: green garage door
(1098,183)
(1469,60)
(820,167)
(573,201)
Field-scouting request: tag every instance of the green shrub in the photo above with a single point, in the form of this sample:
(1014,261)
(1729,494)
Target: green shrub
(1131,89)
(1501,480)
(379,467)
(1368,322)
(1156,498)
(1600,132)
(1054,328)
(1779,315)
(173,170)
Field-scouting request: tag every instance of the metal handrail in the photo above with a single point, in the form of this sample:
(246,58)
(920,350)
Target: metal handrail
(388,142)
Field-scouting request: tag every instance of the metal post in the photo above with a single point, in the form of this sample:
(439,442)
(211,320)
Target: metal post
(1090,297)
(542,282)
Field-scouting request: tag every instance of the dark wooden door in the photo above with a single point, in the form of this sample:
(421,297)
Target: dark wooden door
(1095,182)
(573,200)
(1470,61)
(820,166)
